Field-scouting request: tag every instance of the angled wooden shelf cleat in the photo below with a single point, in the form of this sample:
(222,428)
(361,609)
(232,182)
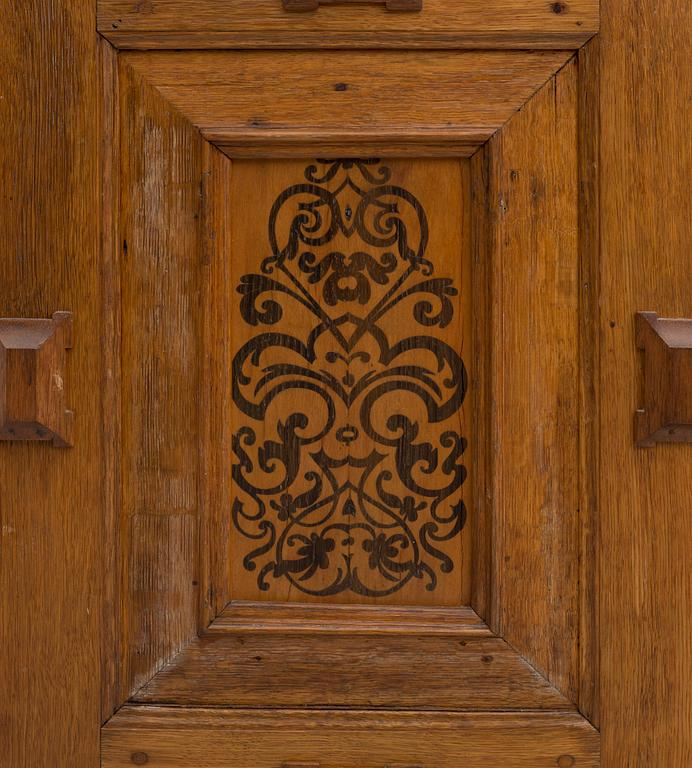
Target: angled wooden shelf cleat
(666,412)
(32,379)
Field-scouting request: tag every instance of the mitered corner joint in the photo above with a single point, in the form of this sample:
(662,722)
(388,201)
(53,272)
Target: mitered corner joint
(32,379)
(666,412)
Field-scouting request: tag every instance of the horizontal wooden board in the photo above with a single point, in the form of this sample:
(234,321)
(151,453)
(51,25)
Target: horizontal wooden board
(264,23)
(351,671)
(352,619)
(292,103)
(207,738)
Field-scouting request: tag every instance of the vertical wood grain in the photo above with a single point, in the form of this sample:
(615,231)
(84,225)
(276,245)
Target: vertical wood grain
(111,373)
(589,359)
(50,499)
(646,495)
(160,198)
(482,248)
(534,381)
(215,401)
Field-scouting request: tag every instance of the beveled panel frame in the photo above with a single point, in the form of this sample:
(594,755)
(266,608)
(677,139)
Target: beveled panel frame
(526,198)
(477,24)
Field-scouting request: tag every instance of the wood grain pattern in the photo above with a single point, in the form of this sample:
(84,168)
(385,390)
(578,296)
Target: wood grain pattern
(364,672)
(366,619)
(390,5)
(198,738)
(50,501)
(350,334)
(589,365)
(534,380)
(317,104)
(264,23)
(646,495)
(215,433)
(160,255)
(111,448)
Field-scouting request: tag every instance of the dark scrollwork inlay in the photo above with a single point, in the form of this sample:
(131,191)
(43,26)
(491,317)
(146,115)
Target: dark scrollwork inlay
(356,481)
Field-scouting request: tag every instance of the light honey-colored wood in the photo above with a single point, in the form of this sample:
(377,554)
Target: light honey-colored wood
(215,433)
(159,257)
(532,256)
(317,104)
(64,623)
(51,526)
(208,738)
(365,672)
(645,494)
(589,362)
(411,569)
(111,647)
(482,24)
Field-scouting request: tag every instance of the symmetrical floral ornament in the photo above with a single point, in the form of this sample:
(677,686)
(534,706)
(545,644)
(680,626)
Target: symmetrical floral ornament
(357,481)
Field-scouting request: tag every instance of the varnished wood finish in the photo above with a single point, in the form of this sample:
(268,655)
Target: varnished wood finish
(265,24)
(387,362)
(589,361)
(391,5)
(666,415)
(111,646)
(320,104)
(215,433)
(645,495)
(32,379)
(531,248)
(50,500)
(284,618)
(208,738)
(160,257)
(364,672)
(56,555)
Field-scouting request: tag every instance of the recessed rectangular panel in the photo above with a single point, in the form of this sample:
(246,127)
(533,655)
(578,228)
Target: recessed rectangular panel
(351,413)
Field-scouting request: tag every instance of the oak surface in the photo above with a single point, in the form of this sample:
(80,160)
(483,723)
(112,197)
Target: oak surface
(158,260)
(50,500)
(264,23)
(208,738)
(645,494)
(336,104)
(530,247)
(286,618)
(364,672)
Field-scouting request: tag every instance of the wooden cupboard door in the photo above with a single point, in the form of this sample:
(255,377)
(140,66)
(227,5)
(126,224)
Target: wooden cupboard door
(123,572)
(352,395)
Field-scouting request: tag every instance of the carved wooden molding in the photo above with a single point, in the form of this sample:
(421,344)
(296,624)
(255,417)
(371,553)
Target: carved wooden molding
(390,5)
(32,379)
(666,413)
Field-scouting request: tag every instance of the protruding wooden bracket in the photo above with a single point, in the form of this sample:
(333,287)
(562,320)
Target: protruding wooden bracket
(666,413)
(390,5)
(32,379)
